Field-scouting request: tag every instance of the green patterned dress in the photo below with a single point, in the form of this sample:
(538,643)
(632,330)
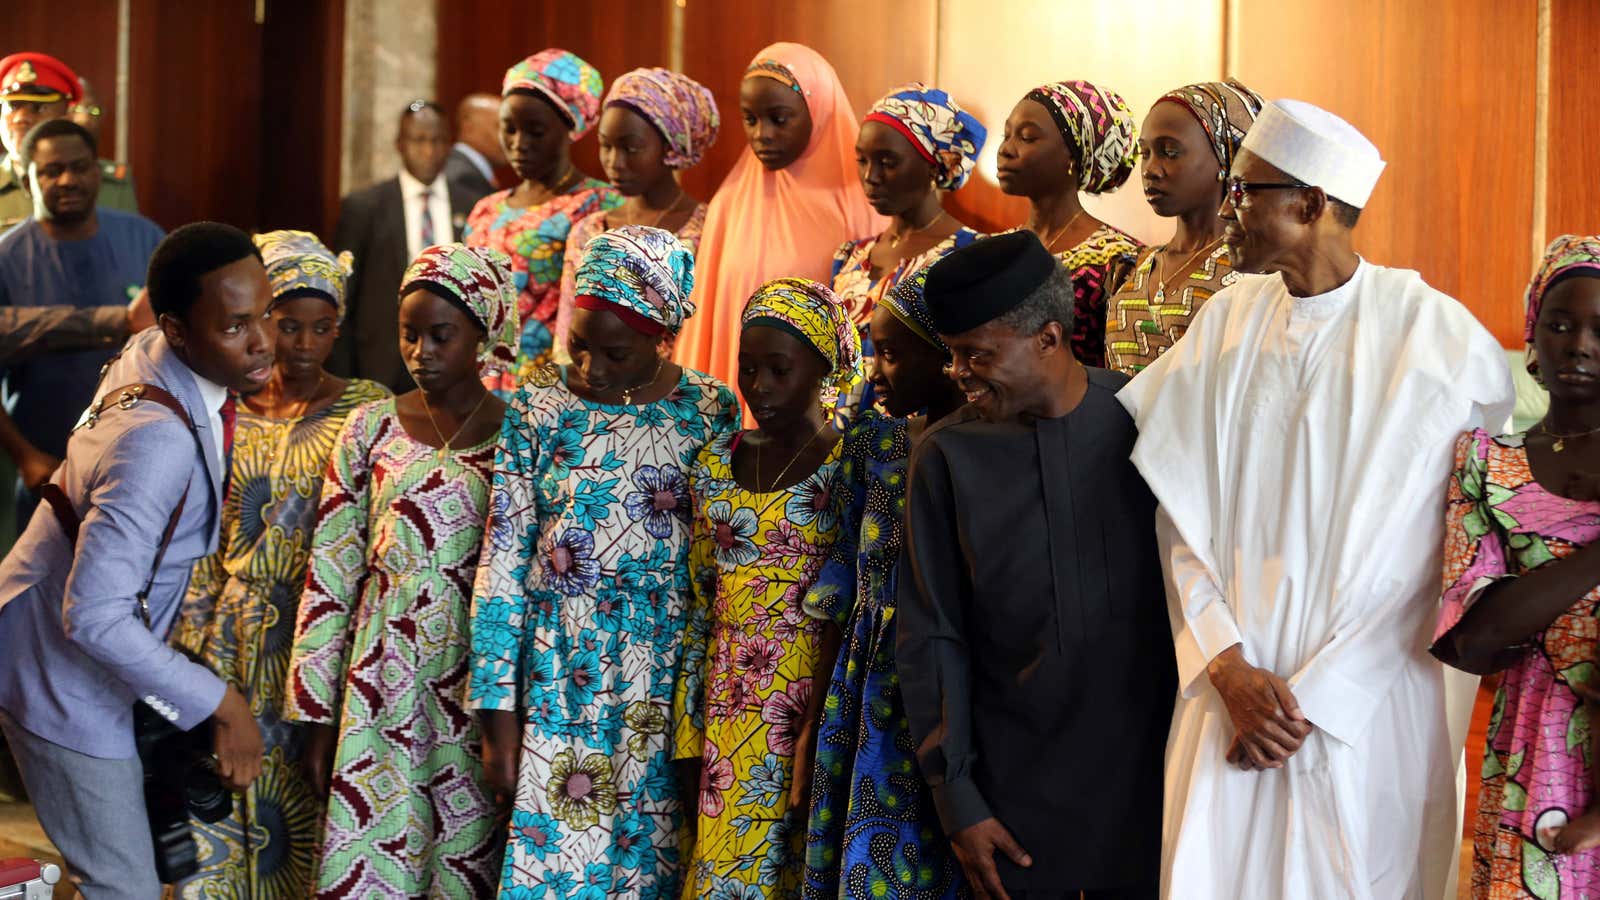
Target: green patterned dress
(238,617)
(382,650)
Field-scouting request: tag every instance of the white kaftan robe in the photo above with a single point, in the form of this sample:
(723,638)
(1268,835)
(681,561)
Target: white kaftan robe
(1300,449)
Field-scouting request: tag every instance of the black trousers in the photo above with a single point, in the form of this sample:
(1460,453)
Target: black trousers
(1141,892)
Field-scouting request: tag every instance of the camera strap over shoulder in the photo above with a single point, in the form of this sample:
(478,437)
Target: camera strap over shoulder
(124,398)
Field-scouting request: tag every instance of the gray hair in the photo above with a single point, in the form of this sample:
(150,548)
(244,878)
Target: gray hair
(1052,301)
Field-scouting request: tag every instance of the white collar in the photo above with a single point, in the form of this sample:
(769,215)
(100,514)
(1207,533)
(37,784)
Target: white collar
(213,395)
(411,187)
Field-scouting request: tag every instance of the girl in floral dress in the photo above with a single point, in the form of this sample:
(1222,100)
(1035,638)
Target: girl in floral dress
(1522,589)
(763,523)
(238,615)
(550,99)
(873,831)
(379,671)
(578,613)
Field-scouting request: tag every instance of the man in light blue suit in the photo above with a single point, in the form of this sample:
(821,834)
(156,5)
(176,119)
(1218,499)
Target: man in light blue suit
(77,653)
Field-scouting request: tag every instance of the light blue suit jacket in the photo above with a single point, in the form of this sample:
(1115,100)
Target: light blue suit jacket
(74,654)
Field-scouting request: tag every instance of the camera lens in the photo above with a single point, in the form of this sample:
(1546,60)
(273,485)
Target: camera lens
(208,800)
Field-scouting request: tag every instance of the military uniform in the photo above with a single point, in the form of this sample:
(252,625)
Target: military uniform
(41,78)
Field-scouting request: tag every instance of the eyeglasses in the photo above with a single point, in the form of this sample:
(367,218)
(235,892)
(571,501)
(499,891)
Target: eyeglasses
(1239,189)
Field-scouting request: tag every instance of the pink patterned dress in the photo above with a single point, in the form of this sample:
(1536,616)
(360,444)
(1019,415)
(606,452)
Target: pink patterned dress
(1502,523)
(535,237)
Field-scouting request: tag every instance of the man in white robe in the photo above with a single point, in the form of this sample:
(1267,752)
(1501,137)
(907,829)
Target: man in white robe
(1299,442)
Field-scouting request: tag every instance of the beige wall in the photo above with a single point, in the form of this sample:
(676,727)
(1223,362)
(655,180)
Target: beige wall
(390,48)
(991,52)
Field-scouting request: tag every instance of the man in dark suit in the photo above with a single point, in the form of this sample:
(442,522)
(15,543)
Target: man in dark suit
(386,226)
(477,152)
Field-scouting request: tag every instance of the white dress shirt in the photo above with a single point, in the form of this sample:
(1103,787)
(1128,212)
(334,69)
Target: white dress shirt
(438,207)
(214,395)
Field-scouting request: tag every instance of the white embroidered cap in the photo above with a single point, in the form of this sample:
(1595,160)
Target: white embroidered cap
(1317,147)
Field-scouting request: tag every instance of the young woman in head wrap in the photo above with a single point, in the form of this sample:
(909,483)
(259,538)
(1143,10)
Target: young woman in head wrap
(916,143)
(1521,595)
(869,803)
(380,666)
(745,707)
(786,205)
(655,123)
(550,99)
(238,615)
(1187,144)
(1063,138)
(578,612)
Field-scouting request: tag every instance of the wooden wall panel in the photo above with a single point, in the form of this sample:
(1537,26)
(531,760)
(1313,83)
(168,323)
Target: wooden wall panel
(1446,92)
(302,55)
(1573,190)
(631,34)
(196,115)
(86,40)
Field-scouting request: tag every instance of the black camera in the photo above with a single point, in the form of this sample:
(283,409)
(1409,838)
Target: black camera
(180,782)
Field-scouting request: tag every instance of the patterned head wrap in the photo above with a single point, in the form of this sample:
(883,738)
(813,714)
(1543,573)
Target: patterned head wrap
(1097,126)
(1226,110)
(561,77)
(478,278)
(811,312)
(906,302)
(679,107)
(640,270)
(776,70)
(1567,256)
(297,262)
(938,128)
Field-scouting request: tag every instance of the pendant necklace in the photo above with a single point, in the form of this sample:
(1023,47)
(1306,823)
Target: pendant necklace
(1560,443)
(627,393)
(792,460)
(1161,284)
(464,422)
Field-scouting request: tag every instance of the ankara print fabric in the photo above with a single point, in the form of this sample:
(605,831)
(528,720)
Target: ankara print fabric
(535,237)
(1536,774)
(1097,266)
(1145,318)
(381,651)
(747,672)
(873,830)
(238,617)
(578,620)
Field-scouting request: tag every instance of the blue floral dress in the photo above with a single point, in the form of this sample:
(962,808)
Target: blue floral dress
(578,621)
(873,830)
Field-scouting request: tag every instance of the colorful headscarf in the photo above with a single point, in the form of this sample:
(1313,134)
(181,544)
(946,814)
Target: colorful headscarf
(941,131)
(682,109)
(1097,126)
(1226,110)
(479,278)
(777,70)
(297,261)
(1567,255)
(561,77)
(813,313)
(906,301)
(645,271)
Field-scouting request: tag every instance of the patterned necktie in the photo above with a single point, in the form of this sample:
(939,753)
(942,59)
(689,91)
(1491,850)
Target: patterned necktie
(427,218)
(230,415)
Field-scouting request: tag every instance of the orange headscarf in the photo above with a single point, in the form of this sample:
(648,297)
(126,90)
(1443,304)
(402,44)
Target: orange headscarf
(763,225)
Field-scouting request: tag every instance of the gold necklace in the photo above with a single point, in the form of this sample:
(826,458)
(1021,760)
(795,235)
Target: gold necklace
(792,460)
(1051,243)
(664,213)
(1561,439)
(896,239)
(627,393)
(1161,268)
(464,422)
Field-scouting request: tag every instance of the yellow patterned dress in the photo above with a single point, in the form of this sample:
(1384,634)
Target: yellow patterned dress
(1146,317)
(747,672)
(238,617)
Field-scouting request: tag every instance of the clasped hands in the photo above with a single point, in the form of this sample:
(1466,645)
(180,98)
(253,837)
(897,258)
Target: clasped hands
(1268,725)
